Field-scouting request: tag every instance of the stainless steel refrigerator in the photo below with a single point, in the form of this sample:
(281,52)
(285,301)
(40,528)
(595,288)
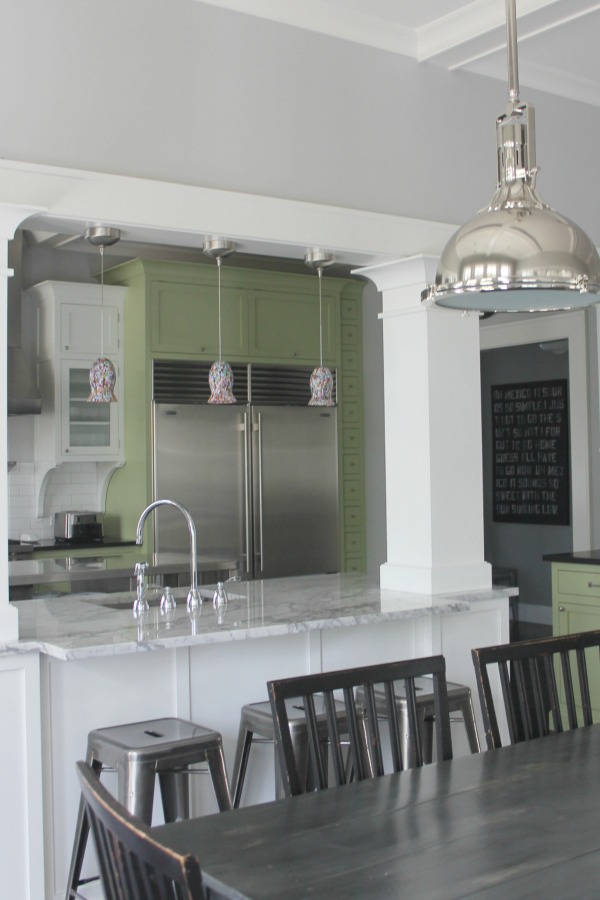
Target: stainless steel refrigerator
(260,477)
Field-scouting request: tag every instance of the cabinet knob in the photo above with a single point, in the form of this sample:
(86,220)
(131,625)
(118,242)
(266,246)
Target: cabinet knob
(561,609)
(592,585)
(294,354)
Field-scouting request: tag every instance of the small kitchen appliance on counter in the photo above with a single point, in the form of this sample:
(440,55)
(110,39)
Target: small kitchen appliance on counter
(75,527)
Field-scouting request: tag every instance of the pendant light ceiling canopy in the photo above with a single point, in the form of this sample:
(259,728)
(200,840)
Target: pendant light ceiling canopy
(321,379)
(220,377)
(518,254)
(103,375)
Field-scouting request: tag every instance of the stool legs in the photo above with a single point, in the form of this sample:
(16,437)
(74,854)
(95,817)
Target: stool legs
(218,773)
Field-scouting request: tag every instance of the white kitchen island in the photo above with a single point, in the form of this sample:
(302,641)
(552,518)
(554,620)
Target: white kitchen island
(100,666)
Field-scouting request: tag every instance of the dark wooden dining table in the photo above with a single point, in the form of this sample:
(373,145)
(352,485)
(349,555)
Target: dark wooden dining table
(522,821)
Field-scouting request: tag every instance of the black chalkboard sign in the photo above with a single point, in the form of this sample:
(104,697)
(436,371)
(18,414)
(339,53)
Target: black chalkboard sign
(530,439)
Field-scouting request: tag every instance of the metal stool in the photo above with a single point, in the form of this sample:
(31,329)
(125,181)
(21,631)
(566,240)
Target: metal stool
(459,701)
(138,752)
(257,718)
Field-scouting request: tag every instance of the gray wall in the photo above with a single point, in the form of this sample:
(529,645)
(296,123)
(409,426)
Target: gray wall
(180,91)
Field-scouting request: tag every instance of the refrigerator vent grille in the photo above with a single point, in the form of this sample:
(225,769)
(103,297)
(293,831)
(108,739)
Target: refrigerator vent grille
(187,382)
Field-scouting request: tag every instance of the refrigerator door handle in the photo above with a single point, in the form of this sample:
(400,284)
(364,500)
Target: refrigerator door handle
(260,493)
(247,488)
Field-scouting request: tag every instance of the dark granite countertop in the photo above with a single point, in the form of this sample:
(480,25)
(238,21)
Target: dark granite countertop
(581,557)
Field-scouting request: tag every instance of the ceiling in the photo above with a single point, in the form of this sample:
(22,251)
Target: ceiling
(558,39)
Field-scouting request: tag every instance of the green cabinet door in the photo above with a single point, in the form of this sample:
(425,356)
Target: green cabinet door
(575,608)
(286,326)
(185,319)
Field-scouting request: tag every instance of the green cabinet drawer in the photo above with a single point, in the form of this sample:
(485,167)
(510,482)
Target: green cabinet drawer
(351,465)
(351,438)
(349,309)
(349,335)
(580,583)
(350,387)
(354,564)
(352,516)
(352,491)
(351,412)
(353,542)
(350,360)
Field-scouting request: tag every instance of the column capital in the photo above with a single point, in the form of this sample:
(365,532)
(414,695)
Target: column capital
(410,272)
(12,215)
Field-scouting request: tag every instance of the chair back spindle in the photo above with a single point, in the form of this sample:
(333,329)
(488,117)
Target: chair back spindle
(350,747)
(544,682)
(132,863)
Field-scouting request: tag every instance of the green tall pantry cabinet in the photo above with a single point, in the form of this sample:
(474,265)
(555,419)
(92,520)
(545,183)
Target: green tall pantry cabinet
(171,313)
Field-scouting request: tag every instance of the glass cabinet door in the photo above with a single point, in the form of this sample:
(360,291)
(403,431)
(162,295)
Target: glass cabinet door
(88,429)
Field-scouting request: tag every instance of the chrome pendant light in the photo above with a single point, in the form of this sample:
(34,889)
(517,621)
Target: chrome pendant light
(321,379)
(220,377)
(518,254)
(103,375)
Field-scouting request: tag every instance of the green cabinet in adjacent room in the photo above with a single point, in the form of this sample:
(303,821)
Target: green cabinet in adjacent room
(575,608)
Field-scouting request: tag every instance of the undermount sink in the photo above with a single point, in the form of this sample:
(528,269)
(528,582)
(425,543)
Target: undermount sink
(153,596)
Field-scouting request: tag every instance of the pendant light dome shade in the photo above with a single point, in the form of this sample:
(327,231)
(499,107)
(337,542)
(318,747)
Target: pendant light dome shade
(220,382)
(103,375)
(103,378)
(220,377)
(518,254)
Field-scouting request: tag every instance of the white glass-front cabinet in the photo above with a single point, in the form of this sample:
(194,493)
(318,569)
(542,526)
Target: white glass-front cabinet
(73,329)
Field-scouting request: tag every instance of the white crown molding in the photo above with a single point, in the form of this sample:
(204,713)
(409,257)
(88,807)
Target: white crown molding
(324,18)
(472,38)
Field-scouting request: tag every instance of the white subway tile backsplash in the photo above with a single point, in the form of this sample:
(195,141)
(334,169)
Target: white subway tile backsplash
(71,486)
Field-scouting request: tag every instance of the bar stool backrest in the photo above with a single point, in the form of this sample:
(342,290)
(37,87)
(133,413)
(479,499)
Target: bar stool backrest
(545,685)
(363,757)
(132,863)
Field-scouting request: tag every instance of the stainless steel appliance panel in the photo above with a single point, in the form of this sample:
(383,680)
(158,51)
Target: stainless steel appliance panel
(295,490)
(200,461)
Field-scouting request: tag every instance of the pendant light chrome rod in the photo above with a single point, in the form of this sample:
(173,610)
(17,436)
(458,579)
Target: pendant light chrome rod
(320,273)
(101,300)
(219,289)
(511,49)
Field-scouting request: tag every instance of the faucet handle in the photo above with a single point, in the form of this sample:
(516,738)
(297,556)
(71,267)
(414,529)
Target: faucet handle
(140,605)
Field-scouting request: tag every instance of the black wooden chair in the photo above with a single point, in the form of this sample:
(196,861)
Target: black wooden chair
(540,679)
(357,754)
(132,864)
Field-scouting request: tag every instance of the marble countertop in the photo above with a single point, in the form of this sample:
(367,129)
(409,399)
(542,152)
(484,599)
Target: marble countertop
(78,626)
(54,570)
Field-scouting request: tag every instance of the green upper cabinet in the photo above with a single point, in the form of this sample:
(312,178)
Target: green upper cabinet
(286,326)
(185,318)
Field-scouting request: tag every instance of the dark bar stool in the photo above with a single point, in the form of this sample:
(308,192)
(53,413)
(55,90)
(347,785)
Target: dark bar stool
(257,719)
(138,752)
(459,701)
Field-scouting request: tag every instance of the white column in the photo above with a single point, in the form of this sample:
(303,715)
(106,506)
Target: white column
(11,216)
(434,491)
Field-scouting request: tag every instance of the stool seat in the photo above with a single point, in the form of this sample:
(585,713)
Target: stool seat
(257,718)
(459,701)
(139,751)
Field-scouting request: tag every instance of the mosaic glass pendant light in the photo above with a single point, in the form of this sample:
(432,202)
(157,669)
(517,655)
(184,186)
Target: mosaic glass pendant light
(321,379)
(220,377)
(103,375)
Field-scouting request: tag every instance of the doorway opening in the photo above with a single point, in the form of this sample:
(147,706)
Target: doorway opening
(526,473)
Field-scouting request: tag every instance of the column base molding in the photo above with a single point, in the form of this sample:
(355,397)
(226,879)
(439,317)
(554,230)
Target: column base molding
(436,579)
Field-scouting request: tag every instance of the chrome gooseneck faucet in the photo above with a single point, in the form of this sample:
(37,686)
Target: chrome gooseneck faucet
(194,601)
